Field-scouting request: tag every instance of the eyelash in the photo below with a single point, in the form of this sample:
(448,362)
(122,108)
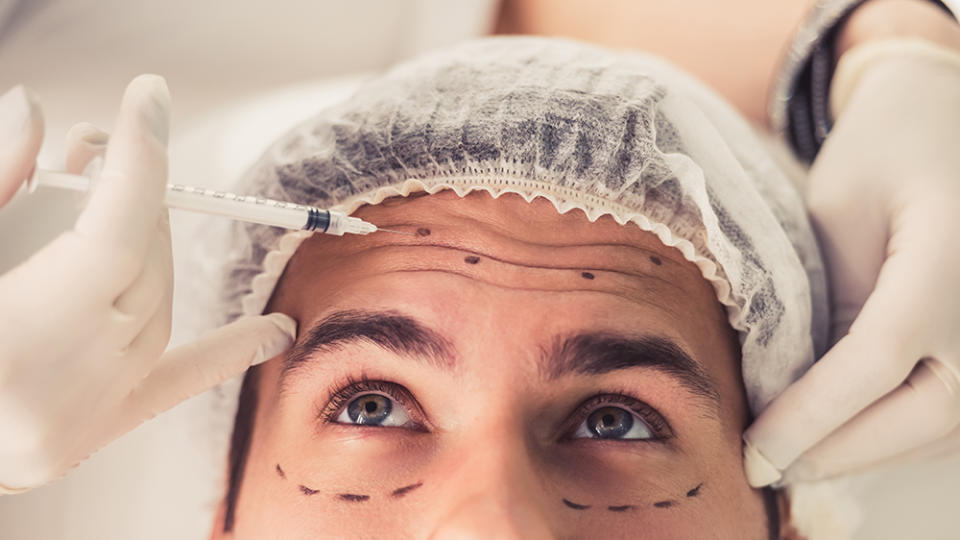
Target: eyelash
(657,423)
(350,387)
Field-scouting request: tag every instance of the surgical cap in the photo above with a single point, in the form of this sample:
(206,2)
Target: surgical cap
(609,133)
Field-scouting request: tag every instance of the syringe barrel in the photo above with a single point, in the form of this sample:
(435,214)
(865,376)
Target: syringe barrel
(254,209)
(226,204)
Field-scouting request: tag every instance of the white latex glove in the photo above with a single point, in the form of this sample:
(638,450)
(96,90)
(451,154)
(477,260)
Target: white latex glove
(884,195)
(85,321)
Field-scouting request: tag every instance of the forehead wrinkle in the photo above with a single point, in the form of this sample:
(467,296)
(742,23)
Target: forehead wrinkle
(621,295)
(669,253)
(493,213)
(593,266)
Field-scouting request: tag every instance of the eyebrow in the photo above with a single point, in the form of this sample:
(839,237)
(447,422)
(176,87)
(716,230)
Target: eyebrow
(599,353)
(587,353)
(390,330)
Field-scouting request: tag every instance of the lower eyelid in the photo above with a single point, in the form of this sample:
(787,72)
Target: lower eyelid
(360,431)
(636,446)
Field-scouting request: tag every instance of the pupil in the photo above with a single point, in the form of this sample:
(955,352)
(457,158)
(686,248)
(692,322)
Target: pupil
(610,422)
(371,409)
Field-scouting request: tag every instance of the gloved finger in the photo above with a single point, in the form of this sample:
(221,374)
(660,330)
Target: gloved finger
(870,361)
(923,409)
(84,142)
(140,356)
(853,242)
(124,207)
(148,346)
(155,280)
(217,356)
(945,447)
(21,133)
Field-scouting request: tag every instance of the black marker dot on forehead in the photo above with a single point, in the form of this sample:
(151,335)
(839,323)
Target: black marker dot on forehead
(280,471)
(663,504)
(423,231)
(307,491)
(655,260)
(695,491)
(472,259)
(622,508)
(587,275)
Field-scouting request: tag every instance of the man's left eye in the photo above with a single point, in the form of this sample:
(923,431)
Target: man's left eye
(612,422)
(374,410)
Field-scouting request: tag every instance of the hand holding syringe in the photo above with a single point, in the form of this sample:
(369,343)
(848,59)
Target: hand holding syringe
(85,321)
(221,203)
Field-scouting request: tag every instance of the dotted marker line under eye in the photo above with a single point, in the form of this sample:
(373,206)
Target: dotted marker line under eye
(694,492)
(349,497)
(400,492)
(574,505)
(353,497)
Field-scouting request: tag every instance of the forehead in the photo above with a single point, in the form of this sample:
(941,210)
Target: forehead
(476,267)
(499,278)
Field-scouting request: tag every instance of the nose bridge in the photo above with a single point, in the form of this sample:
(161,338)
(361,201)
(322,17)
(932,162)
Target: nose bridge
(492,491)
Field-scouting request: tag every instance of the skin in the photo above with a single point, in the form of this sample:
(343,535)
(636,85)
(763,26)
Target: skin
(750,36)
(734,46)
(495,459)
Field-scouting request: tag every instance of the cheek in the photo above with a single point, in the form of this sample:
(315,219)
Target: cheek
(365,462)
(346,485)
(727,500)
(271,506)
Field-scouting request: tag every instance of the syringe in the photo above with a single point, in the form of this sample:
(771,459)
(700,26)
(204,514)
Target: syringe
(222,203)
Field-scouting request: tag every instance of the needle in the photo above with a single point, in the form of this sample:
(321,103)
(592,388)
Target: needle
(395,232)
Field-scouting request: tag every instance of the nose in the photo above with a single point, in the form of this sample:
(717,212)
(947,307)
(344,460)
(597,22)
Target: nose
(493,491)
(483,516)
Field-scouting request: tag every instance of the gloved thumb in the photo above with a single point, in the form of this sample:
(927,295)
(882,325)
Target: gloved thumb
(85,142)
(219,355)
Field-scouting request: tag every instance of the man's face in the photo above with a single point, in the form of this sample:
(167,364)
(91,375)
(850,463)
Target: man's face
(504,372)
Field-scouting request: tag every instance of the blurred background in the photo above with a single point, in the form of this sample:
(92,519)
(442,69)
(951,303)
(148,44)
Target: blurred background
(241,73)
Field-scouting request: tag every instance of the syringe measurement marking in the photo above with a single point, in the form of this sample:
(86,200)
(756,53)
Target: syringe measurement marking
(250,199)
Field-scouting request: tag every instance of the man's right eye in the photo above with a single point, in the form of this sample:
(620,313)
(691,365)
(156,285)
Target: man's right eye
(374,410)
(613,422)
(619,417)
(374,404)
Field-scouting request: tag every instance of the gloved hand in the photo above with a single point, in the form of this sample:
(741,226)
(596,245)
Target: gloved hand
(85,321)
(884,195)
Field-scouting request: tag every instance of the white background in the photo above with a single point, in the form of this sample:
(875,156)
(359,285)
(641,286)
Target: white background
(241,72)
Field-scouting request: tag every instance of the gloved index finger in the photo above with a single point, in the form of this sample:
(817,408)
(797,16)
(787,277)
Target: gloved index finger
(215,357)
(125,205)
(860,369)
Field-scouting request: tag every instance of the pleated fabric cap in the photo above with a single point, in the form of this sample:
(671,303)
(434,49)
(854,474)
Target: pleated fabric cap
(609,133)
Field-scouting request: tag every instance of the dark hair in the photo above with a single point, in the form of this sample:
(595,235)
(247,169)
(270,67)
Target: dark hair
(243,434)
(240,442)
